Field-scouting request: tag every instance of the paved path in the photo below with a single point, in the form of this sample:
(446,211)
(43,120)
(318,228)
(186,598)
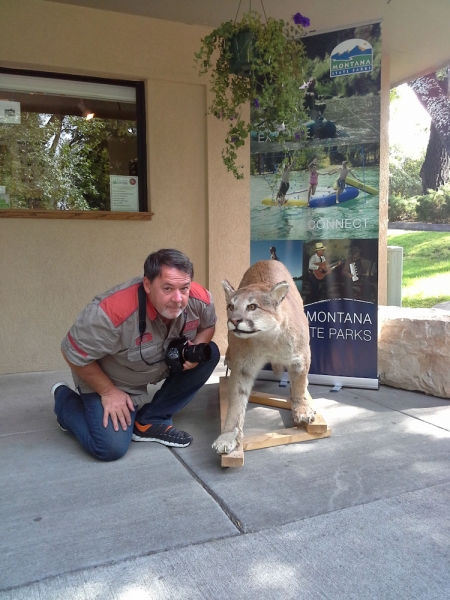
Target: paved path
(413,226)
(361,515)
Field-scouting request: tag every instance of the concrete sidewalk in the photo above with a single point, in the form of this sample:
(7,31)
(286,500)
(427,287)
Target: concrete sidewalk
(362,514)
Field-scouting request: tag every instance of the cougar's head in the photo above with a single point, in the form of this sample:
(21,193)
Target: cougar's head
(253,310)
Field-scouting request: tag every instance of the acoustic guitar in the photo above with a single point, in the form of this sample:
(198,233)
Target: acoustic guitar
(325,269)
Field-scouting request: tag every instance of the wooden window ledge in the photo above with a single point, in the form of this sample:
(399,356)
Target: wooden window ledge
(75,214)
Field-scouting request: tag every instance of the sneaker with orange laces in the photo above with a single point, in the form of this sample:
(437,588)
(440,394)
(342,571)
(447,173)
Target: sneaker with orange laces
(161,433)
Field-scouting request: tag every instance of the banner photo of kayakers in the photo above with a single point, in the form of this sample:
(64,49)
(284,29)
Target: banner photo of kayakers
(315,200)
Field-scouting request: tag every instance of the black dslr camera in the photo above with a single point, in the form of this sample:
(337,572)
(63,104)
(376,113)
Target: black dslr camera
(179,352)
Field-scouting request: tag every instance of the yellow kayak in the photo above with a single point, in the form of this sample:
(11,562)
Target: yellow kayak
(360,185)
(297,202)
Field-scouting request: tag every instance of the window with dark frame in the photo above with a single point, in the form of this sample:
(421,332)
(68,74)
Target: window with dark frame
(71,144)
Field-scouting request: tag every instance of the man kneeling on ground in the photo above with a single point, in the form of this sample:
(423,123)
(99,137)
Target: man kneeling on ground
(119,344)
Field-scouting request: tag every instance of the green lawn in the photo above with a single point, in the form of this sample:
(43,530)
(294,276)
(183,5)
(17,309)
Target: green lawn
(426,267)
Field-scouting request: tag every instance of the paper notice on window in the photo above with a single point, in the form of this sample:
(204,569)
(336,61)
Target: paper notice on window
(9,112)
(124,193)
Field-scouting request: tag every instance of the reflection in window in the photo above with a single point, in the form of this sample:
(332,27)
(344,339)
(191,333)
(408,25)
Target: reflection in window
(54,155)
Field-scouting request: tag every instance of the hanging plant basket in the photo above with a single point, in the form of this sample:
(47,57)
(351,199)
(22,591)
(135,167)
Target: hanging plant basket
(243,53)
(261,63)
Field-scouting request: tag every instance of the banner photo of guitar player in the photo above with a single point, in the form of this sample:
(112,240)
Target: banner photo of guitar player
(340,287)
(315,198)
(340,269)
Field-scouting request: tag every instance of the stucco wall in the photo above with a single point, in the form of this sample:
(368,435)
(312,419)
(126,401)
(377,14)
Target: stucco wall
(49,269)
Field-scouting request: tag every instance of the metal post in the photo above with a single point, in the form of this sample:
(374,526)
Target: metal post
(394,275)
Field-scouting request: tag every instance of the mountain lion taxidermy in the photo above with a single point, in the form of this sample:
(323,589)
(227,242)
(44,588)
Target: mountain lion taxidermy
(266,324)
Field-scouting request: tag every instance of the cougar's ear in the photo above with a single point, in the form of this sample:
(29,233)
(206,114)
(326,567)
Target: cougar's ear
(278,292)
(229,289)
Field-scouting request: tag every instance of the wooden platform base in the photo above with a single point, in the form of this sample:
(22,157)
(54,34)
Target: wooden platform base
(302,433)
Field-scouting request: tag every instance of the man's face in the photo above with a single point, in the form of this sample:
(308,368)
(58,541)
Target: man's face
(169,292)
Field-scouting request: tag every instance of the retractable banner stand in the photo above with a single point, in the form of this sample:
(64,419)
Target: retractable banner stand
(315,204)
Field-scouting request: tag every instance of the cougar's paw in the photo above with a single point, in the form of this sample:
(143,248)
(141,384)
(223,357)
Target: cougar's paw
(304,414)
(226,443)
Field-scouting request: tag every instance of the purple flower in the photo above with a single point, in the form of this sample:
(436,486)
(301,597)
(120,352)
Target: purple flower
(297,136)
(256,102)
(299,19)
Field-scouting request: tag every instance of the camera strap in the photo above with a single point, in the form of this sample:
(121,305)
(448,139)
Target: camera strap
(142,297)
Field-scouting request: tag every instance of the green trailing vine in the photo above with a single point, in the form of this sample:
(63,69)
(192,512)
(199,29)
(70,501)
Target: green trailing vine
(271,84)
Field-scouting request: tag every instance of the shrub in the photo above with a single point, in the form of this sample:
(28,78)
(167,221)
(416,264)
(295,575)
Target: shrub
(402,209)
(434,207)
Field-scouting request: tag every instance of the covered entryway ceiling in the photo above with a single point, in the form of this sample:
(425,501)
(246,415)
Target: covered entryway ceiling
(415,32)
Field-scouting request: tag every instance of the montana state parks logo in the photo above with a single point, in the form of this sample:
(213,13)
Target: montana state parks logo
(351,56)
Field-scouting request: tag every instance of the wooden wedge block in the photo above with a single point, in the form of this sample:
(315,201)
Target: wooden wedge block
(281,437)
(234,459)
(269,400)
(318,426)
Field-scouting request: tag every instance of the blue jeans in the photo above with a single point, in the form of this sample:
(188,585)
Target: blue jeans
(82,414)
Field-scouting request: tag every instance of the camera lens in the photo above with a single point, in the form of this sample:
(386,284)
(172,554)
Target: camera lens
(198,353)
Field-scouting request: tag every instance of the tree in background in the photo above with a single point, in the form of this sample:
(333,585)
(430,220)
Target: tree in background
(432,92)
(60,162)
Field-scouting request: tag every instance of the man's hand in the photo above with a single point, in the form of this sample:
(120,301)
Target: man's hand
(117,405)
(189,365)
